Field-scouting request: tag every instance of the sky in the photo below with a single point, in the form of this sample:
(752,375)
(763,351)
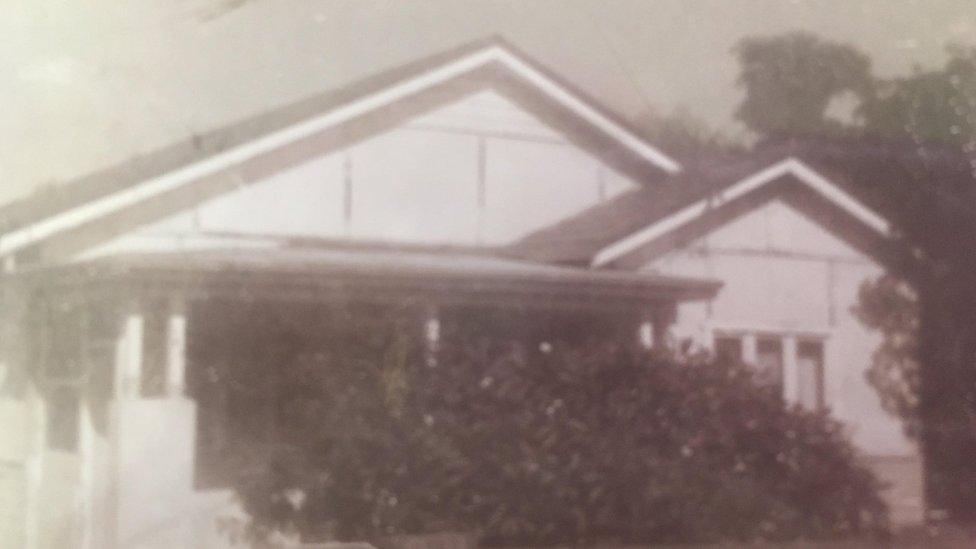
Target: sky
(91,83)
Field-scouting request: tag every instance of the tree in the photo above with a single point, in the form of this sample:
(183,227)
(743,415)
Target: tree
(937,106)
(935,352)
(917,134)
(685,136)
(790,81)
(890,306)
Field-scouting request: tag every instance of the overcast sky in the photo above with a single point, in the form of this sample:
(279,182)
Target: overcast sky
(90,83)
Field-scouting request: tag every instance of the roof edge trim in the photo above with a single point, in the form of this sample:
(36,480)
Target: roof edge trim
(791,165)
(580,107)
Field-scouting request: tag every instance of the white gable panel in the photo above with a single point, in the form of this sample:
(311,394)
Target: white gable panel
(777,226)
(306,200)
(614,183)
(531,185)
(180,224)
(487,112)
(415,186)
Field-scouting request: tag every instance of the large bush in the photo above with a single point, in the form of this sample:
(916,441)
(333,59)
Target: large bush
(550,444)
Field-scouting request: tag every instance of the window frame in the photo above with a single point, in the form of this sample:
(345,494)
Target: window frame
(799,337)
(820,373)
(63,383)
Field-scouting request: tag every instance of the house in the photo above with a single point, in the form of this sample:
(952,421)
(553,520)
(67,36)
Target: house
(471,182)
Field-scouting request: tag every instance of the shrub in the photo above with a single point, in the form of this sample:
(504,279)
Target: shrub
(604,443)
(556,444)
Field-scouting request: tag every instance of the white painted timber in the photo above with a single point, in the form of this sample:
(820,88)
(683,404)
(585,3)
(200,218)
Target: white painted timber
(791,389)
(176,354)
(130,369)
(487,112)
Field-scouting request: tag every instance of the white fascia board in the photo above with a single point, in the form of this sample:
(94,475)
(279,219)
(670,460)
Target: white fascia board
(838,196)
(611,128)
(793,166)
(75,217)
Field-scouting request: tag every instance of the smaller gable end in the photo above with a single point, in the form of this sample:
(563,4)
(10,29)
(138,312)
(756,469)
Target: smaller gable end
(730,198)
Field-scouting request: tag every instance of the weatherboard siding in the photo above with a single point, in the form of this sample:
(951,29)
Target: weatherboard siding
(783,274)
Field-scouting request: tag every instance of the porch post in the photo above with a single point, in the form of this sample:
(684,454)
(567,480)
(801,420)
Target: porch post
(432,334)
(708,335)
(89,473)
(662,319)
(129,358)
(34,466)
(749,353)
(791,393)
(646,335)
(176,349)
(151,477)
(21,420)
(127,390)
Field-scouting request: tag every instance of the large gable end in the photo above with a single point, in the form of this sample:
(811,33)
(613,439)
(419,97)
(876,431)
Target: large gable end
(256,149)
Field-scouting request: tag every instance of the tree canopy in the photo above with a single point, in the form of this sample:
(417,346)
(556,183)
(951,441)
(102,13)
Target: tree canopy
(790,81)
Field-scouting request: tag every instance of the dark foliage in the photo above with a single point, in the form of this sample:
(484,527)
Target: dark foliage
(686,137)
(936,110)
(553,443)
(791,80)
(603,443)
(910,149)
(935,106)
(889,306)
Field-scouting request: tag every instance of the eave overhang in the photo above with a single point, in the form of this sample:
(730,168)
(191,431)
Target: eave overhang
(312,275)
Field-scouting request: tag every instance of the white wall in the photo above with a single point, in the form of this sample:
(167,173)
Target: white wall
(784,274)
(478,171)
(157,436)
(17,428)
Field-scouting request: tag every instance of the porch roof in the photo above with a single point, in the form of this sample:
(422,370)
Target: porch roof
(379,274)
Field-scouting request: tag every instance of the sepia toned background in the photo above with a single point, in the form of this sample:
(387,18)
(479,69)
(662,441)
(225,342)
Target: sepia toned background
(90,84)
(792,243)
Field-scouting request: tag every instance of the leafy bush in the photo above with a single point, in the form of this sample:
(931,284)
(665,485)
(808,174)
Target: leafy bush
(555,444)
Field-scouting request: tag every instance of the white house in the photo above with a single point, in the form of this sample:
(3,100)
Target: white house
(472,180)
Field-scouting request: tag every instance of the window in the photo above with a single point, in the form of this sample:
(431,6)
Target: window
(769,362)
(810,374)
(769,359)
(728,348)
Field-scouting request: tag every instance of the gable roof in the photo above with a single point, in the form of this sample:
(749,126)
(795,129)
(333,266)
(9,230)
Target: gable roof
(491,61)
(603,234)
(790,166)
